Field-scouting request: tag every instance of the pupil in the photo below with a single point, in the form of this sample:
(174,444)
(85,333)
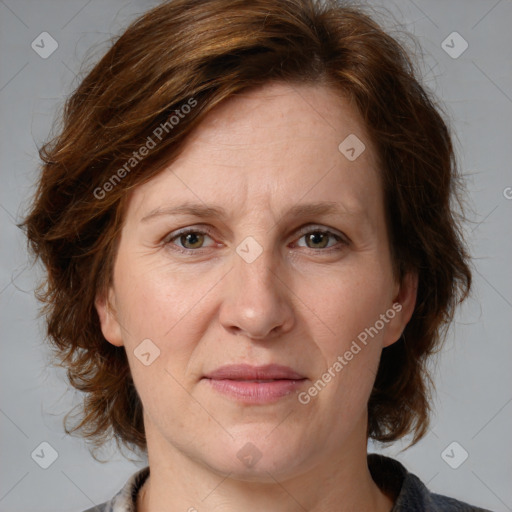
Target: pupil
(192,238)
(314,236)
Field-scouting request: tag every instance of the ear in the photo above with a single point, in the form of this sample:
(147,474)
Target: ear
(106,308)
(403,306)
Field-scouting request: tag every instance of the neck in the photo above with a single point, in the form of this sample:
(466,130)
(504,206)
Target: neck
(342,483)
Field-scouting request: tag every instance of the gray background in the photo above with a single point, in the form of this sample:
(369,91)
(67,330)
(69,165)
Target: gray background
(472,375)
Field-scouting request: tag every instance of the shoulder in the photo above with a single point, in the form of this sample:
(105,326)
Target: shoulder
(409,491)
(443,503)
(124,500)
(416,496)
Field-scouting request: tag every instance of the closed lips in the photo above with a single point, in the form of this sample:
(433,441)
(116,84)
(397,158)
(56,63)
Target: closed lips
(245,372)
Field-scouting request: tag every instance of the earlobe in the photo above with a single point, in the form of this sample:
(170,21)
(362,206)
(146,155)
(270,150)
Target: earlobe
(110,327)
(407,295)
(403,304)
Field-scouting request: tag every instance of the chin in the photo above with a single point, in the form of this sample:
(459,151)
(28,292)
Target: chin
(254,457)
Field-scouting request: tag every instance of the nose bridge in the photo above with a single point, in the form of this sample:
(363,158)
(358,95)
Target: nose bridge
(255,270)
(257,302)
(256,265)
(255,254)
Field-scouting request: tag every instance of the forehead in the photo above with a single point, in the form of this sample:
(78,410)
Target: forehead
(298,117)
(275,144)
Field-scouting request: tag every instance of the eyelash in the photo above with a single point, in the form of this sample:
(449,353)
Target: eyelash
(169,239)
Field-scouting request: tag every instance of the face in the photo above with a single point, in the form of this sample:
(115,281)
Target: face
(290,267)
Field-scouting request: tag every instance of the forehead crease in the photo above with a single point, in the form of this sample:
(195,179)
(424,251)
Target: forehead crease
(203,210)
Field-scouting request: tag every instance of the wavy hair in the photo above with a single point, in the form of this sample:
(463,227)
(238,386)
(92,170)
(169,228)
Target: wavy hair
(206,51)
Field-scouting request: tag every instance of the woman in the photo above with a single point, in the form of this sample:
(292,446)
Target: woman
(251,251)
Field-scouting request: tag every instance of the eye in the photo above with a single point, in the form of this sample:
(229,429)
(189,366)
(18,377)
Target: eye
(319,239)
(191,239)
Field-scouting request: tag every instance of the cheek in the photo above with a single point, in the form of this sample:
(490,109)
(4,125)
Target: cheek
(163,312)
(346,303)
(154,299)
(346,308)
(348,311)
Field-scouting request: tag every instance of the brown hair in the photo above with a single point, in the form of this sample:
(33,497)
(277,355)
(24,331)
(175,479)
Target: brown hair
(199,53)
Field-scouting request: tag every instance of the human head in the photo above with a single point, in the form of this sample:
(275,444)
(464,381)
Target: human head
(200,54)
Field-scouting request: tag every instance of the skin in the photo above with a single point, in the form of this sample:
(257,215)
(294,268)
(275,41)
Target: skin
(301,303)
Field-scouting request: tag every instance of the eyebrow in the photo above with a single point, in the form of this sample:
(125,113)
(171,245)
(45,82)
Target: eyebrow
(205,211)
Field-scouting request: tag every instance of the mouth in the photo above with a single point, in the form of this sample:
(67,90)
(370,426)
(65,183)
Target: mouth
(255,384)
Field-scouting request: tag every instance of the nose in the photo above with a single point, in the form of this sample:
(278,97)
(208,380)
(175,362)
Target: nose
(257,301)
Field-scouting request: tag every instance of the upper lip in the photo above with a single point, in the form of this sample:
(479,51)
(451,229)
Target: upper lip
(248,372)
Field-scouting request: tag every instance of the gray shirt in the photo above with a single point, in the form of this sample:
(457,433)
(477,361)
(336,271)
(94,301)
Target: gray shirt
(389,474)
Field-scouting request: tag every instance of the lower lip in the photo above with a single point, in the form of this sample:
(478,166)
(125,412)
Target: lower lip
(256,392)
